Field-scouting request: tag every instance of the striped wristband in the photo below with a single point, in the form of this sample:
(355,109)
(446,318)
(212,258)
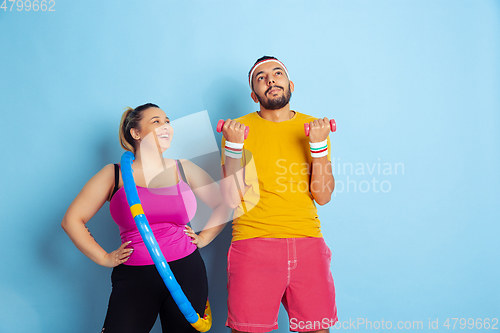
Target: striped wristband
(233,150)
(319,149)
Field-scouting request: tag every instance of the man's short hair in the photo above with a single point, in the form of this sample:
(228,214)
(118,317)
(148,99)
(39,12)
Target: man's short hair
(259,60)
(262,60)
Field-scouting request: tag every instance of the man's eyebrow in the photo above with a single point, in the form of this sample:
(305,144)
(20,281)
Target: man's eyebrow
(274,69)
(258,73)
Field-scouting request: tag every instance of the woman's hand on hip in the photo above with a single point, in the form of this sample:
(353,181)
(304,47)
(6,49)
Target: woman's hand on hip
(197,240)
(118,257)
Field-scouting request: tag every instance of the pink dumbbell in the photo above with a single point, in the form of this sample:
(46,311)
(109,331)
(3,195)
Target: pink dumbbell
(333,126)
(221,122)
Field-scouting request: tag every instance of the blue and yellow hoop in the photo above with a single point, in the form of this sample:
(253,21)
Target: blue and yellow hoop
(200,324)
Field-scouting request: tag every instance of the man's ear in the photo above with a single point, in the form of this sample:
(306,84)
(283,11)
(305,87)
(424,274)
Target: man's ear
(254,97)
(292,86)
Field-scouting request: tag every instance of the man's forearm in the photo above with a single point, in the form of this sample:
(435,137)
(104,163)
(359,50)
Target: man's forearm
(232,185)
(322,181)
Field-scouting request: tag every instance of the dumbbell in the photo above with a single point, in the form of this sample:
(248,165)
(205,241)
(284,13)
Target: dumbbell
(221,122)
(333,127)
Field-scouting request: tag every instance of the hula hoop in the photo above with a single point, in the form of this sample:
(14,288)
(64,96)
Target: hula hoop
(161,264)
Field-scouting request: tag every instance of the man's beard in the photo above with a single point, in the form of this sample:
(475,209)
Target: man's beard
(276,103)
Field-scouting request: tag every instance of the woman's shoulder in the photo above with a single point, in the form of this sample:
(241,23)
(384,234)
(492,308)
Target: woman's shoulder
(107,171)
(111,172)
(187,164)
(102,181)
(169,161)
(196,176)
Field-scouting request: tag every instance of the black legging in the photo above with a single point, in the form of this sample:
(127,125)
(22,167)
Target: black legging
(139,295)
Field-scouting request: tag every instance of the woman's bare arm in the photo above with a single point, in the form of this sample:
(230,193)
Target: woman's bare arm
(86,204)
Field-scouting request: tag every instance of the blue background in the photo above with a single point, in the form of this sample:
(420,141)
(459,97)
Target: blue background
(409,82)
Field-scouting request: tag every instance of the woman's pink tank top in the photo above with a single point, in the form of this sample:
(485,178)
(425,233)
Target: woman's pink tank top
(168,210)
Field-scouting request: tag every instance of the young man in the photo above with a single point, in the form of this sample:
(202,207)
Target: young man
(272,179)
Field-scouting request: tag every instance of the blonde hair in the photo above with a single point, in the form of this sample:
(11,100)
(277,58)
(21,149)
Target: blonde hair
(131,119)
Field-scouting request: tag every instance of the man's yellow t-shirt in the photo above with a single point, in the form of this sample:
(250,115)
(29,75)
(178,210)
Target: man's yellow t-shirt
(277,201)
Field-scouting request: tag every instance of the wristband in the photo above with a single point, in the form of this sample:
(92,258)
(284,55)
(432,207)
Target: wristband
(319,149)
(233,149)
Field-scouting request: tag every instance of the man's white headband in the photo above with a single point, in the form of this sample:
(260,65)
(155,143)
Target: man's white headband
(261,63)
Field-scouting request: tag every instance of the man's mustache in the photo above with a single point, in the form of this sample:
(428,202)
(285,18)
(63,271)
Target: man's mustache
(272,87)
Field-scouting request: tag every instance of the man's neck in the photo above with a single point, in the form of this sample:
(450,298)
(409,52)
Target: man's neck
(277,116)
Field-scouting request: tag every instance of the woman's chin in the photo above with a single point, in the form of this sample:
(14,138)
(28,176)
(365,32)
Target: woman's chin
(164,148)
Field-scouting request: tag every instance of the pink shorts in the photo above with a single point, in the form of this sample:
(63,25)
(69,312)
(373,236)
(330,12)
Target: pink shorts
(262,272)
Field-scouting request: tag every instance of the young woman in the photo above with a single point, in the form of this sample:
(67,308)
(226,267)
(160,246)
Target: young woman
(167,189)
